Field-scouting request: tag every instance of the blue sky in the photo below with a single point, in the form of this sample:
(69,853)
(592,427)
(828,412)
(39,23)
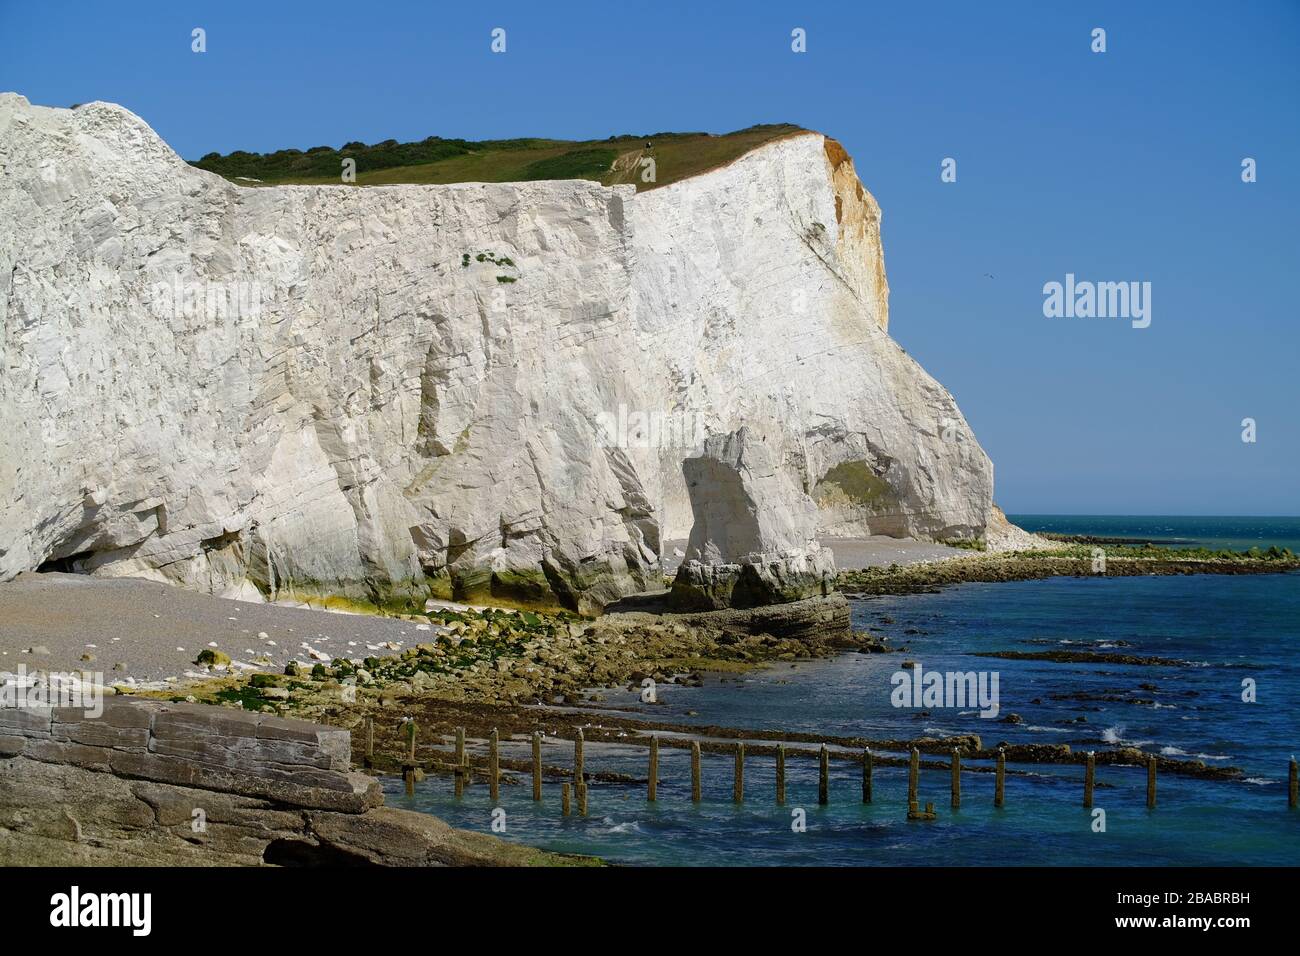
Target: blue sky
(1123,165)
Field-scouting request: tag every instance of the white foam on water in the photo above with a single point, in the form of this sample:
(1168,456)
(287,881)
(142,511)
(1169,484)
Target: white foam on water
(629,827)
(1115,735)
(1179,752)
(941,731)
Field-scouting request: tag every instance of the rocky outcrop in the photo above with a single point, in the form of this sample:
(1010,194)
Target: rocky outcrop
(754,535)
(148,783)
(486,391)
(818,620)
(1001,535)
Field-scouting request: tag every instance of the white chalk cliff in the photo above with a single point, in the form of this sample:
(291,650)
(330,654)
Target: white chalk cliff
(325,389)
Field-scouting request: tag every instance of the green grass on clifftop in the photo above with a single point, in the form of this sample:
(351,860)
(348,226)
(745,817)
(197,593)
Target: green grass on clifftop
(435,160)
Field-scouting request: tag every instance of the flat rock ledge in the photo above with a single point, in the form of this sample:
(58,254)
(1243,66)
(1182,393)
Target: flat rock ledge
(815,620)
(154,783)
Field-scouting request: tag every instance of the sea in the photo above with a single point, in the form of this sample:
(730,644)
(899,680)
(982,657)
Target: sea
(1232,700)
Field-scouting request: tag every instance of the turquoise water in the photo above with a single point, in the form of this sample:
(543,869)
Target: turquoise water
(1225,627)
(1233,533)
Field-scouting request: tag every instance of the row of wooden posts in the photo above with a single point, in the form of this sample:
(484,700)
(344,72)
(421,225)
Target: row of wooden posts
(462,773)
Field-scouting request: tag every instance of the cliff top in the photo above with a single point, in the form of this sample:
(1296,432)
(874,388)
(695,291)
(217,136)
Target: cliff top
(436,160)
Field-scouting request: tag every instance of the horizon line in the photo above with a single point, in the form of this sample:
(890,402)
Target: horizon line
(1116,514)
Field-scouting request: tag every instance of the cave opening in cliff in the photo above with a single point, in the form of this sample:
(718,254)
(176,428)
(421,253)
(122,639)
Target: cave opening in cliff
(70,564)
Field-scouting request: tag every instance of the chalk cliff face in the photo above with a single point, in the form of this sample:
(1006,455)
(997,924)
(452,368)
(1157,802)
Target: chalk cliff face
(487,390)
(761,287)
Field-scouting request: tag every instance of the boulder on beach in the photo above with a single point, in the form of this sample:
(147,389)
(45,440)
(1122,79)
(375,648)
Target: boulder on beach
(754,540)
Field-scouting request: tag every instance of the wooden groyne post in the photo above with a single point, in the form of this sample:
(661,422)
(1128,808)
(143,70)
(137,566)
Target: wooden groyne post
(537,765)
(956,779)
(913,778)
(1000,787)
(780,775)
(1151,783)
(582,799)
(1293,786)
(1089,779)
(868,765)
(462,763)
(577,757)
(494,766)
(408,772)
(652,791)
(695,771)
(738,786)
(824,776)
(565,806)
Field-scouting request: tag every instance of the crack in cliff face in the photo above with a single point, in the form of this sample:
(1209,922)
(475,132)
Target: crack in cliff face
(434,376)
(638,512)
(810,237)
